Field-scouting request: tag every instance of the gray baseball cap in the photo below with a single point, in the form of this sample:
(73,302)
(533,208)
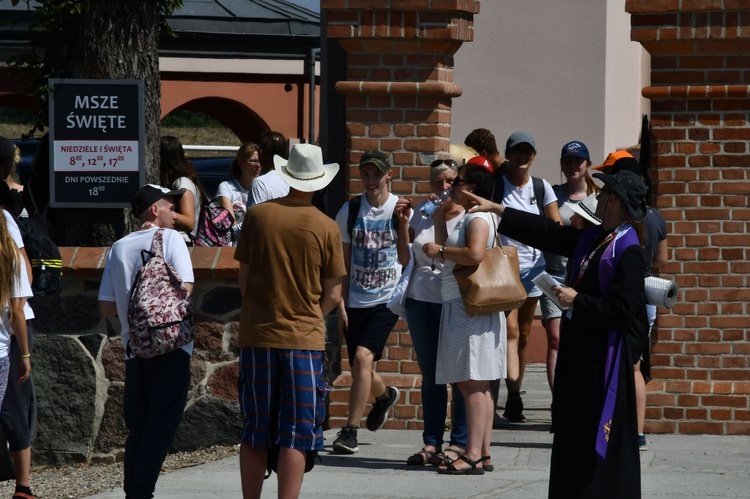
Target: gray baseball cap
(520,137)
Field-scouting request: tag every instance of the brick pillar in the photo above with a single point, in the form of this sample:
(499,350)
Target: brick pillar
(399,90)
(700,108)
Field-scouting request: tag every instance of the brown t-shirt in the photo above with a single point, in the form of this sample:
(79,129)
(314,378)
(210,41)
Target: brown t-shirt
(289,249)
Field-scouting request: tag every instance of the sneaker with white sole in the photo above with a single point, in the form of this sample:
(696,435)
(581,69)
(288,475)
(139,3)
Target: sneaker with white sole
(346,441)
(380,408)
(642,442)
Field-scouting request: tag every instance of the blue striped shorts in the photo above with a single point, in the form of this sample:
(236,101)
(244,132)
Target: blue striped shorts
(281,396)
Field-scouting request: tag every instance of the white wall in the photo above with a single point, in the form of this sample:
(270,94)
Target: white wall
(540,66)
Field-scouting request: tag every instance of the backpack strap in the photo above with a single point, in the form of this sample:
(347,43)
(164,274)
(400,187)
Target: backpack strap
(157,244)
(351,219)
(538,185)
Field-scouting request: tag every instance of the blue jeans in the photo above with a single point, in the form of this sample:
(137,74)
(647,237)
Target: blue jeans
(424,326)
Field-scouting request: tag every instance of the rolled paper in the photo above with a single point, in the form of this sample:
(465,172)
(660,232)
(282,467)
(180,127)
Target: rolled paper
(661,292)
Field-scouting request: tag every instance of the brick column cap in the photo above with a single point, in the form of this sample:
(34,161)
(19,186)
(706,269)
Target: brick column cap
(399,88)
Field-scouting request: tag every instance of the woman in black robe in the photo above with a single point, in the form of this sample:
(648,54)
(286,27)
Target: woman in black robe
(593,456)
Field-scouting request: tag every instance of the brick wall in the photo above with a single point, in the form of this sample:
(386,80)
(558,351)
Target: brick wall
(399,90)
(700,111)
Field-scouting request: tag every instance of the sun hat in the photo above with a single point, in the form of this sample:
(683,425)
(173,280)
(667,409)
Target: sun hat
(304,170)
(586,208)
(520,137)
(148,195)
(376,158)
(575,148)
(611,158)
(630,190)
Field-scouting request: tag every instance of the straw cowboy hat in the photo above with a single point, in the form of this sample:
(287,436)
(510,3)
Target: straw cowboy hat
(305,171)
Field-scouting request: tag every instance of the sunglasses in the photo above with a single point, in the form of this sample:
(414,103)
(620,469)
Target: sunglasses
(458,181)
(447,162)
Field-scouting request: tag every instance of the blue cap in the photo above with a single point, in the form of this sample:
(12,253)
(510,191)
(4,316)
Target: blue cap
(520,137)
(577,149)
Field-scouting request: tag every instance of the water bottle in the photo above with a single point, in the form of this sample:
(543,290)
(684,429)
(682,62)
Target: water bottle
(433,204)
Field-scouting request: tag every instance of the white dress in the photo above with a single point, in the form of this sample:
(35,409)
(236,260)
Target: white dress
(470,347)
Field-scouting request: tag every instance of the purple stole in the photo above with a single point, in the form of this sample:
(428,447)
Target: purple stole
(607,265)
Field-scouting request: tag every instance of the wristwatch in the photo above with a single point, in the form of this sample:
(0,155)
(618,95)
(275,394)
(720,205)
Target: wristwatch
(442,252)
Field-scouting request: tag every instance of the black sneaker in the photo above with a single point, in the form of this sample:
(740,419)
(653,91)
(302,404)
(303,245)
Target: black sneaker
(514,408)
(346,443)
(379,412)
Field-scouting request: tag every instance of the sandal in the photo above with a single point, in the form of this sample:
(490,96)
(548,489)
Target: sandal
(422,457)
(487,467)
(473,470)
(443,459)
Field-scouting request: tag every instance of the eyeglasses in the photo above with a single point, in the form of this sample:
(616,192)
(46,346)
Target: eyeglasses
(458,181)
(447,162)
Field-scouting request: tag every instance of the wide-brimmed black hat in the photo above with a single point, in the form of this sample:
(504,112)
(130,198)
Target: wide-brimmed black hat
(629,189)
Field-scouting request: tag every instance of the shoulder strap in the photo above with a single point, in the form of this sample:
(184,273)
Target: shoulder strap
(538,185)
(351,219)
(395,221)
(499,192)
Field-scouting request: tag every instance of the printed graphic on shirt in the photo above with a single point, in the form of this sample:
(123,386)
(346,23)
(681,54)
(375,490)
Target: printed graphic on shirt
(375,269)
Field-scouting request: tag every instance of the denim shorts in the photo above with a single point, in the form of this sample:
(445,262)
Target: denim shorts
(526,276)
(282,396)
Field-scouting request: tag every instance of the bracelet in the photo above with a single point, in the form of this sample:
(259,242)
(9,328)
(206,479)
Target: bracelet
(442,252)
(25,355)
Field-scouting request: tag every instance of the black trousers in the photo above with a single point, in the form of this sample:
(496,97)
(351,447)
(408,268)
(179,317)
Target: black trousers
(155,395)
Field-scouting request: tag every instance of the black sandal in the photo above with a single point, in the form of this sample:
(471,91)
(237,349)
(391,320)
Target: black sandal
(443,459)
(421,458)
(451,469)
(487,467)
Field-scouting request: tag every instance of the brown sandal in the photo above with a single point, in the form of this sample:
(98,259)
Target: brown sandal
(422,457)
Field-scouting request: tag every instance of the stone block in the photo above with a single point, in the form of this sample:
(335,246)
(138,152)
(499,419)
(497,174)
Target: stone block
(112,431)
(209,421)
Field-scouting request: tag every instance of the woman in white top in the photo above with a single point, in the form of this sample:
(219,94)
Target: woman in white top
(14,290)
(471,349)
(424,304)
(233,193)
(178,173)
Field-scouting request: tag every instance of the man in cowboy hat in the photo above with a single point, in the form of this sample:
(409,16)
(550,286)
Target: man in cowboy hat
(594,451)
(291,274)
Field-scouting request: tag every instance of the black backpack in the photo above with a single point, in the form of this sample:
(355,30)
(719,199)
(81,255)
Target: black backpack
(537,184)
(44,256)
(351,219)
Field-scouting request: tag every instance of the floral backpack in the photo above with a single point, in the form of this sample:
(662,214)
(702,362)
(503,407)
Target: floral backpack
(160,311)
(214,226)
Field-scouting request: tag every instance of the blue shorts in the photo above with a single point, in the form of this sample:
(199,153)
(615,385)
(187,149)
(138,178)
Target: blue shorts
(281,396)
(526,276)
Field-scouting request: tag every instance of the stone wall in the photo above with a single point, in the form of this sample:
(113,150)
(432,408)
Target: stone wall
(79,367)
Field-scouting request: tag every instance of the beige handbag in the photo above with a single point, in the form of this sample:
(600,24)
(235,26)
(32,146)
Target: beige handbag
(495,284)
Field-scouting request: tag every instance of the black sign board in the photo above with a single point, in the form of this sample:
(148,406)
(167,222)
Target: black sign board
(97,142)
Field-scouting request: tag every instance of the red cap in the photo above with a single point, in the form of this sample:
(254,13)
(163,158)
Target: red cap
(481,161)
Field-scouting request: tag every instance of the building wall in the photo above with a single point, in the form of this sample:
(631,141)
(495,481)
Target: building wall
(543,67)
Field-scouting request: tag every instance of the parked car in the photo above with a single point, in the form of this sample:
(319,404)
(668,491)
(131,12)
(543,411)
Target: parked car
(212,172)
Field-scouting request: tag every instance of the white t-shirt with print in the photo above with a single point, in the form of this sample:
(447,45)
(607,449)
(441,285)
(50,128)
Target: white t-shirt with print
(267,187)
(15,234)
(375,268)
(522,198)
(189,185)
(21,288)
(424,283)
(457,238)
(123,262)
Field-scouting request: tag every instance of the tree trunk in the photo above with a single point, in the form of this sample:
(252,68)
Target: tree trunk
(109,39)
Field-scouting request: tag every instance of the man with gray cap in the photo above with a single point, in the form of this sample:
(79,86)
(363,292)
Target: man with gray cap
(155,388)
(594,451)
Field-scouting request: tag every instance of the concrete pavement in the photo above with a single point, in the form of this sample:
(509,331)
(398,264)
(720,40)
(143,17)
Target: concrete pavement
(675,466)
